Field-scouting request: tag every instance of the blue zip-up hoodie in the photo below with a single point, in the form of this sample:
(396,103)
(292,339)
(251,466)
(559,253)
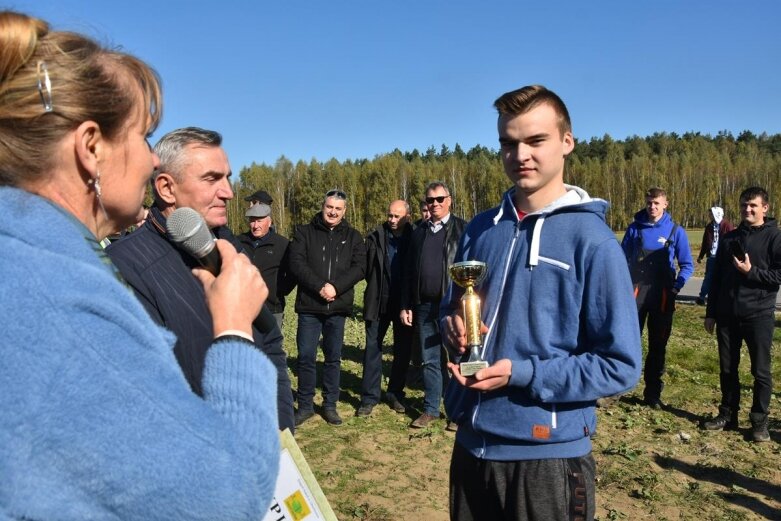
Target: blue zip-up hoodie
(643,233)
(558,303)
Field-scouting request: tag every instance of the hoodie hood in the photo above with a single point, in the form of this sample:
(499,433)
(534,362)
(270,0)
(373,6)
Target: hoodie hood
(574,200)
(718,214)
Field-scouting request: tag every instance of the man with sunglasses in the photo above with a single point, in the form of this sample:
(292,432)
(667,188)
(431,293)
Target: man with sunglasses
(327,257)
(432,249)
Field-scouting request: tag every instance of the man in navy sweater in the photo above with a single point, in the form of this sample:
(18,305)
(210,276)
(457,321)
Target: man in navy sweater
(194,172)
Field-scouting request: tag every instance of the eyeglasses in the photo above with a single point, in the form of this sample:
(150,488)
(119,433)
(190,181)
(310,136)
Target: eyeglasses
(336,193)
(440,199)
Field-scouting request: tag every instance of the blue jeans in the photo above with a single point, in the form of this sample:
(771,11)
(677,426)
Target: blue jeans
(426,321)
(710,264)
(310,326)
(372,358)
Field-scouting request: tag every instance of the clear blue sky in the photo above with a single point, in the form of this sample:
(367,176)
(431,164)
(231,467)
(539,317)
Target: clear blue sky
(353,79)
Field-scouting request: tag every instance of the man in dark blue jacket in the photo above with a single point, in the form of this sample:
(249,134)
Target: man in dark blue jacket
(742,306)
(386,247)
(194,172)
(327,257)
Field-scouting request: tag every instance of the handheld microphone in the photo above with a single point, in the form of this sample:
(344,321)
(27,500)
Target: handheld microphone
(190,233)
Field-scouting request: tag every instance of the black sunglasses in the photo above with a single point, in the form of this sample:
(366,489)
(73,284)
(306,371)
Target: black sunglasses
(336,193)
(440,199)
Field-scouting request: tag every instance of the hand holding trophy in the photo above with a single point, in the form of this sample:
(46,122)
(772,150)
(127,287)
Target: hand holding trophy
(468,274)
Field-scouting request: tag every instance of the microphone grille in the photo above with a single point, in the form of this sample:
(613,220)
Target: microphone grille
(187,229)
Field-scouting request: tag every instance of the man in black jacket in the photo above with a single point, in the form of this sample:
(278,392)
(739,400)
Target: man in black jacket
(435,241)
(327,257)
(741,306)
(269,252)
(194,172)
(386,247)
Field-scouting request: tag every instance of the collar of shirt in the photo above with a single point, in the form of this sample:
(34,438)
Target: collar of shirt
(436,226)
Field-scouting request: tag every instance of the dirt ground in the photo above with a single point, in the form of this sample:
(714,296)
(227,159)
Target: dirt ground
(651,464)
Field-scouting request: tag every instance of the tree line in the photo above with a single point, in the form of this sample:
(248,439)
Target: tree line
(697,171)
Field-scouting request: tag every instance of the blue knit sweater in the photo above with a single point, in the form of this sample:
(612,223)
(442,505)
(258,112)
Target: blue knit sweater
(97,420)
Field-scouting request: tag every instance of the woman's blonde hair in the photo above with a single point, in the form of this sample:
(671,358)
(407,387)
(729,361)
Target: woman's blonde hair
(51,82)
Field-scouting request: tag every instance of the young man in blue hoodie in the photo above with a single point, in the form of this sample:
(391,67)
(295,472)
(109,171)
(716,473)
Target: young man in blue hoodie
(652,245)
(560,330)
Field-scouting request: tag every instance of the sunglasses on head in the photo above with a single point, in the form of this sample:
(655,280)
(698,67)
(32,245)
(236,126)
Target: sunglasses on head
(336,193)
(440,199)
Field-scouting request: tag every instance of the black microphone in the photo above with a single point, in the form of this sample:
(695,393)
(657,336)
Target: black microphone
(190,233)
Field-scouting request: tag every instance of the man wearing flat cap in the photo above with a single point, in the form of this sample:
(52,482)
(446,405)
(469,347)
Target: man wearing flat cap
(268,251)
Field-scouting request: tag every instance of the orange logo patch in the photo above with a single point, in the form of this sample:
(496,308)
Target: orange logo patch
(540,432)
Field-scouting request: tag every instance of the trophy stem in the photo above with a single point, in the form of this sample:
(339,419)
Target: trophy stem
(470,306)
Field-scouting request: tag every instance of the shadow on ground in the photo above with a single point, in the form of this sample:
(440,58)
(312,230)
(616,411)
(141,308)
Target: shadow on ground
(733,481)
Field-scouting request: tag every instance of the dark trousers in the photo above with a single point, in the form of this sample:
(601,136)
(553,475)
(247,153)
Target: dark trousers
(310,327)
(758,334)
(425,318)
(656,305)
(276,353)
(372,358)
(527,490)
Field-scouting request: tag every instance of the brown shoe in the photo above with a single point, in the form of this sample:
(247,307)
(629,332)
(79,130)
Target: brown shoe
(451,426)
(423,421)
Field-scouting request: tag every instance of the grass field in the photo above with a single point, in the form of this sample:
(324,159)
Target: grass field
(651,464)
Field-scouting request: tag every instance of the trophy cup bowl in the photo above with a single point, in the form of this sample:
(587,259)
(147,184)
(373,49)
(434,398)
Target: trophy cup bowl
(468,274)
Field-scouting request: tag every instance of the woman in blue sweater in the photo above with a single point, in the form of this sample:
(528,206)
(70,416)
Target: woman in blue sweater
(97,420)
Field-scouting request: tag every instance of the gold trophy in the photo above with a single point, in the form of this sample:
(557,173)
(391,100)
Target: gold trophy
(468,274)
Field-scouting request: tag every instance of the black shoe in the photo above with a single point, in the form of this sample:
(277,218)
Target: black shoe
(654,403)
(759,432)
(302,415)
(394,403)
(725,421)
(364,410)
(332,417)
(699,301)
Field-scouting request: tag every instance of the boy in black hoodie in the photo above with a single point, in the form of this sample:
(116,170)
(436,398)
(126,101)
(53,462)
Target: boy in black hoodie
(742,307)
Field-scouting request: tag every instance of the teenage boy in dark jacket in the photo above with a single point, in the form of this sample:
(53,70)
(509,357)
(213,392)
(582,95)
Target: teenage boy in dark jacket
(742,307)
(327,257)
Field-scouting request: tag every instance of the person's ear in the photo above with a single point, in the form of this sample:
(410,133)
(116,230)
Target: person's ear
(89,147)
(165,186)
(569,143)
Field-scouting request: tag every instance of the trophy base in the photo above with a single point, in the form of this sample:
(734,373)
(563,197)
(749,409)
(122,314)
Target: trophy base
(470,368)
